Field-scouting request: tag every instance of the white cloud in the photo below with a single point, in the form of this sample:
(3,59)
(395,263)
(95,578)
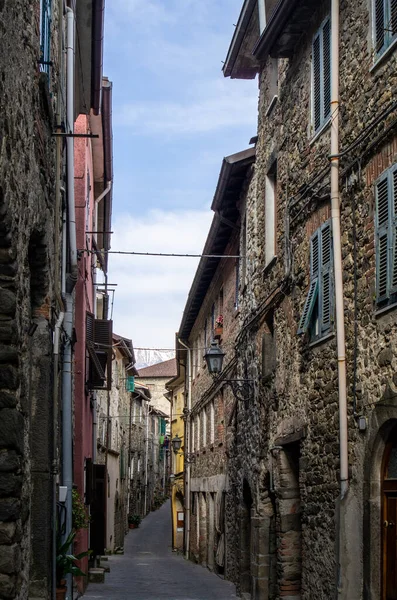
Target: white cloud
(217,106)
(152,291)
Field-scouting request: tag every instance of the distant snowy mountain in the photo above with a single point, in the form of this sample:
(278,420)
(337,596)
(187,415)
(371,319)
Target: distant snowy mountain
(146,358)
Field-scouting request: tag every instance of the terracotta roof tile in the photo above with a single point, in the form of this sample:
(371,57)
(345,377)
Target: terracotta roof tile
(166,368)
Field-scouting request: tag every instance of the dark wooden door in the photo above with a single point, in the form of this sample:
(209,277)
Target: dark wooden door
(98,511)
(389,523)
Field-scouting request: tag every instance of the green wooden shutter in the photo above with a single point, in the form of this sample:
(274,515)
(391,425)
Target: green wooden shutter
(325,291)
(382,198)
(393,229)
(380,6)
(326,70)
(393,17)
(313,289)
(317,82)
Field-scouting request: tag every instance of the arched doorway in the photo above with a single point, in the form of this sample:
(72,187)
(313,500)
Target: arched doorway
(389,518)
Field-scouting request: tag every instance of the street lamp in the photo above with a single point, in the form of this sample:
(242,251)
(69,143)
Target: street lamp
(176,446)
(176,443)
(242,388)
(214,358)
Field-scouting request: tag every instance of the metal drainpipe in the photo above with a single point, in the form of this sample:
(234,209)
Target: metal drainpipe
(336,233)
(58,325)
(335,216)
(186,465)
(67,424)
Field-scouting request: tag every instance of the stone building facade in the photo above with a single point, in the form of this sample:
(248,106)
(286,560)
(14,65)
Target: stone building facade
(296,536)
(28,299)
(212,312)
(114,436)
(34,257)
(157,463)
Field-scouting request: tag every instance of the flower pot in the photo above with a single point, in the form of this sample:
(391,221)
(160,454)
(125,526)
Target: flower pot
(218,331)
(132,526)
(61,592)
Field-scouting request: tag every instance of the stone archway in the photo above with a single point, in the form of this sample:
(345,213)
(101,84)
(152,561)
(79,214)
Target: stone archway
(382,426)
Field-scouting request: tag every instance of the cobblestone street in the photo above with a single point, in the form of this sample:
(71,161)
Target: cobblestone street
(149,570)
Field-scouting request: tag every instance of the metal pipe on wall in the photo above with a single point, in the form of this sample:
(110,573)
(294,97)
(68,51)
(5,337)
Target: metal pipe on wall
(339,299)
(67,366)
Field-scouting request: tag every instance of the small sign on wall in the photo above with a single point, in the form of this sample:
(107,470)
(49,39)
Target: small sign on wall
(180,517)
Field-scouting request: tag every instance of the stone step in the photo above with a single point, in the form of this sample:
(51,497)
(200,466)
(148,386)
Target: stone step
(96,575)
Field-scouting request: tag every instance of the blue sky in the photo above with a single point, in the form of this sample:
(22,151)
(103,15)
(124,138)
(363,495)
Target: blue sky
(174,118)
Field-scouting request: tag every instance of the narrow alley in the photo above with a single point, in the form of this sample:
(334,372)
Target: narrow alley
(149,570)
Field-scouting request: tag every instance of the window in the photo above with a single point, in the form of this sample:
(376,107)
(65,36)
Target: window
(321,75)
(204,426)
(212,421)
(385,234)
(193,445)
(237,283)
(198,431)
(270,213)
(385,24)
(272,92)
(45,35)
(317,316)
(243,254)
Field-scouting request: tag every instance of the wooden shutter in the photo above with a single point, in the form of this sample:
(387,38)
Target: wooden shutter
(382,238)
(326,296)
(326,70)
(99,346)
(313,289)
(380,6)
(393,17)
(317,82)
(393,232)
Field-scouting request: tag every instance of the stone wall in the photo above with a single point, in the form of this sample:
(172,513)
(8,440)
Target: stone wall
(27,169)
(285,450)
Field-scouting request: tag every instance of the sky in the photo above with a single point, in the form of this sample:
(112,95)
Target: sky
(174,119)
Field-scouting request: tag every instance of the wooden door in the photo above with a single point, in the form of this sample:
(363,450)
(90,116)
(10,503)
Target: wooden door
(389,523)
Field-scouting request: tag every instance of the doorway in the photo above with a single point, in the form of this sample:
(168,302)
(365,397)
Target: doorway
(389,519)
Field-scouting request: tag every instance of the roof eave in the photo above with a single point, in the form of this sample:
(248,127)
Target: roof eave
(234,51)
(273,30)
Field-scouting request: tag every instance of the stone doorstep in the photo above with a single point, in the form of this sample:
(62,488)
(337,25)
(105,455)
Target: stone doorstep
(96,575)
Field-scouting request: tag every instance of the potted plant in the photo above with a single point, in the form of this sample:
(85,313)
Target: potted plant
(218,326)
(66,563)
(134,521)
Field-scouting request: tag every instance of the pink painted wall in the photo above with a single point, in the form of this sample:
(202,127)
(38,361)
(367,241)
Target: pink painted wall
(84,302)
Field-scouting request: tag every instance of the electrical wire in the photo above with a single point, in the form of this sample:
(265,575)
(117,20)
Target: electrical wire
(172,255)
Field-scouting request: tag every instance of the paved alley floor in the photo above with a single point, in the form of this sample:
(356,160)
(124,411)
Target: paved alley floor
(149,570)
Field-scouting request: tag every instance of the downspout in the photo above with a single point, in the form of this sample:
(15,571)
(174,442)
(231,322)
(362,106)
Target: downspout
(340,324)
(335,216)
(67,425)
(104,193)
(186,464)
(58,325)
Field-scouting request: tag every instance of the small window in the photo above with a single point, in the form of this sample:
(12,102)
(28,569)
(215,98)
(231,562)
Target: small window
(212,421)
(385,234)
(321,75)
(204,426)
(385,24)
(318,311)
(270,213)
(45,35)
(237,283)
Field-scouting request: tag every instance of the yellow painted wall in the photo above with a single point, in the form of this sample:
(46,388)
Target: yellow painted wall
(177,427)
